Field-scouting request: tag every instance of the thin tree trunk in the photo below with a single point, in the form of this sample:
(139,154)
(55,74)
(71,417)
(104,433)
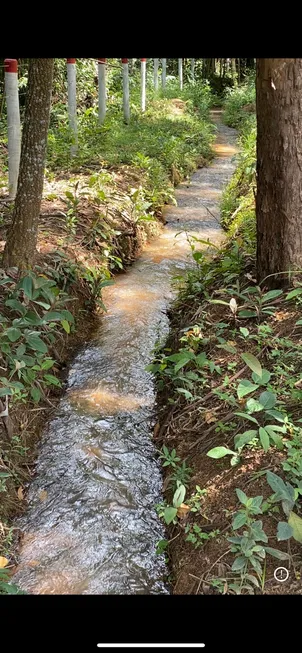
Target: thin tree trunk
(233,63)
(20,248)
(279,167)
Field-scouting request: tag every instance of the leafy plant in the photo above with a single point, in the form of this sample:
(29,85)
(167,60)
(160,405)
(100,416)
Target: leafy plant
(249,554)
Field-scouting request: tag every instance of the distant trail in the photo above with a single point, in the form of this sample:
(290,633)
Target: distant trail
(91,526)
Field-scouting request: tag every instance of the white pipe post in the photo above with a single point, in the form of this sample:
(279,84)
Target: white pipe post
(193,69)
(13,124)
(102,90)
(155,73)
(72,103)
(180,74)
(126,103)
(163,72)
(143,84)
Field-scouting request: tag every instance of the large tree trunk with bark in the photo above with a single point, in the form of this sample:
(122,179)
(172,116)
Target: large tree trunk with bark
(21,242)
(279,167)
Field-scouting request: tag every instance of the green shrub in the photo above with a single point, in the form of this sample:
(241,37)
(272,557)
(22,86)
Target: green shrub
(236,98)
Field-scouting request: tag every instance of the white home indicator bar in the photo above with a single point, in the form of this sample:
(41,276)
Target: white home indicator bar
(150,645)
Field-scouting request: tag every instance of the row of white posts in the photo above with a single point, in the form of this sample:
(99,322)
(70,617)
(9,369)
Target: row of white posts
(13,112)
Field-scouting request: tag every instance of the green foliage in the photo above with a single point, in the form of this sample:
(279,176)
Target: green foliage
(248,546)
(159,142)
(236,98)
(238,200)
(5,586)
(197,536)
(26,340)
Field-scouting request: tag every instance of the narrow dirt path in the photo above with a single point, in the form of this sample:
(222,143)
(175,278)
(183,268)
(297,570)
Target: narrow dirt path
(91,525)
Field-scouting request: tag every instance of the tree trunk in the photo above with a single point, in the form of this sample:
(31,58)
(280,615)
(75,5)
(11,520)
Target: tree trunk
(279,167)
(233,64)
(21,242)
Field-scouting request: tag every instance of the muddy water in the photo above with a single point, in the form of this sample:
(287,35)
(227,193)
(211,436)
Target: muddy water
(91,526)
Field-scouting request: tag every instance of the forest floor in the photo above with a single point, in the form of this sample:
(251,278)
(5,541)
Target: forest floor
(94,222)
(223,329)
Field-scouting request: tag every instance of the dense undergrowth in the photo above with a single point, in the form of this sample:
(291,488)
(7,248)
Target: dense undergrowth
(98,209)
(229,432)
(238,201)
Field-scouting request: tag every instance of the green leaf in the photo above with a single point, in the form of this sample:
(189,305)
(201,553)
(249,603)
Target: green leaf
(161,546)
(245,387)
(13,334)
(67,315)
(52,316)
(244,438)
(264,438)
(246,416)
(239,520)
(66,326)
(267,399)
(16,305)
(241,496)
(53,380)
(183,391)
(276,483)
(46,306)
(179,496)
(275,427)
(252,363)
(284,531)
(34,342)
(277,440)
(263,379)
(169,514)
(35,394)
(47,364)
(201,359)
(276,415)
(239,563)
(245,332)
(299,322)
(257,532)
(235,460)
(219,452)
(247,314)
(296,523)
(280,555)
(26,284)
(253,406)
(294,293)
(5,391)
(272,294)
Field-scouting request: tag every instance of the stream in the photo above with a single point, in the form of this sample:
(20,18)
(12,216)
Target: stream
(91,526)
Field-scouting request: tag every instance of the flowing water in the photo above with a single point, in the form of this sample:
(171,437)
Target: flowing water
(91,525)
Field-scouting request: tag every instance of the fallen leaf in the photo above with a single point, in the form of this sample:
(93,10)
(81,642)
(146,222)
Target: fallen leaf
(210,417)
(33,563)
(156,429)
(43,495)
(3,562)
(20,494)
(182,510)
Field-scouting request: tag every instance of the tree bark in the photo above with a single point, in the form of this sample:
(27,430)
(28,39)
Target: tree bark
(279,167)
(20,248)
